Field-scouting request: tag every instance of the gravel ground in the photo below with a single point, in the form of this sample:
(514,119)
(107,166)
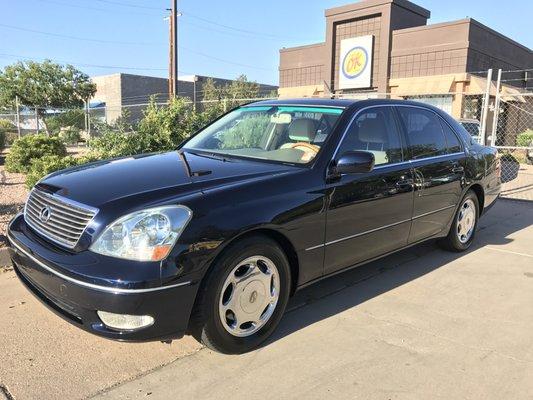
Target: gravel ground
(12,197)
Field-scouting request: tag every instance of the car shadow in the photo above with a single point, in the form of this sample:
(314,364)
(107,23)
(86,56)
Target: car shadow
(348,289)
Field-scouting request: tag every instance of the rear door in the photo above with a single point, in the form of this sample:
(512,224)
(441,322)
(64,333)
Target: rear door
(438,162)
(369,214)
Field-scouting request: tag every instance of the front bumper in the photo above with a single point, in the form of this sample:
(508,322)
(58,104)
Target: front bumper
(77,299)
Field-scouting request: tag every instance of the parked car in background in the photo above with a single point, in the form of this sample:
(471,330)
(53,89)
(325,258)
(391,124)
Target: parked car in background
(473,127)
(212,239)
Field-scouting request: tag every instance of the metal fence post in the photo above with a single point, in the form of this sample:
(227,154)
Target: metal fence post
(485,110)
(496,109)
(18,115)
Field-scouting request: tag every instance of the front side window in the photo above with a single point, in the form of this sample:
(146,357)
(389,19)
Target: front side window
(374,130)
(424,132)
(291,134)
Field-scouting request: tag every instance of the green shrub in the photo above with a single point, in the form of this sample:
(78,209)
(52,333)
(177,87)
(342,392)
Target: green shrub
(31,147)
(160,129)
(525,139)
(40,167)
(74,119)
(70,135)
(45,165)
(6,129)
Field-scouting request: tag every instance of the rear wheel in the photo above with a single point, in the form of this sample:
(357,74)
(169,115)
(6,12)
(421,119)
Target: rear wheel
(463,229)
(243,297)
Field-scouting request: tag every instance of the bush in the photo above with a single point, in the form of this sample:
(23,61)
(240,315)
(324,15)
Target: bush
(40,167)
(43,166)
(74,119)
(160,129)
(30,147)
(70,135)
(6,128)
(525,139)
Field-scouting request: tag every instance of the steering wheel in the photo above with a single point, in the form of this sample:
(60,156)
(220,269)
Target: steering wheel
(310,150)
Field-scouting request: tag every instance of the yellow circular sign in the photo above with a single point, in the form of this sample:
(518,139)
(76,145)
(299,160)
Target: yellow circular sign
(354,62)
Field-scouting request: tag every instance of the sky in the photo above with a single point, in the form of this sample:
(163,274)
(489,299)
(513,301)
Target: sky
(217,38)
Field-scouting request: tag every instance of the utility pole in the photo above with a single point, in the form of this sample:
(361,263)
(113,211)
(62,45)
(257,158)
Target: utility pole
(173,65)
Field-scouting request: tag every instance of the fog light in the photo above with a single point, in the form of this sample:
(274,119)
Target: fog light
(125,322)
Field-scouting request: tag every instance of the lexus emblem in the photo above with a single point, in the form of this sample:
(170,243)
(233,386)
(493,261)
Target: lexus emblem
(45,214)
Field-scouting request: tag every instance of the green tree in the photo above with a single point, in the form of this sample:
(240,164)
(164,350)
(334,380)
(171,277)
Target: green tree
(229,95)
(44,86)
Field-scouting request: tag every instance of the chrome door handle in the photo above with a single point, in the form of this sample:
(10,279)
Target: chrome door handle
(458,169)
(404,182)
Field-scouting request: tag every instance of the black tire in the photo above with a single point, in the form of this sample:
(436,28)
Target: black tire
(452,242)
(206,323)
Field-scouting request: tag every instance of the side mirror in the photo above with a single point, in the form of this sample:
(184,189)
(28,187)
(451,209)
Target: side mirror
(355,162)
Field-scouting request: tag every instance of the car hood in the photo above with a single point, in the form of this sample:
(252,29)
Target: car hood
(175,173)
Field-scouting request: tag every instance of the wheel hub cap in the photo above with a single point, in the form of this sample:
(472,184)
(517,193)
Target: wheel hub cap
(249,296)
(466,221)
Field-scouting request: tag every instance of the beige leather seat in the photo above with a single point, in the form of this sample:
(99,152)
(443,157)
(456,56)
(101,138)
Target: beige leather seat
(303,130)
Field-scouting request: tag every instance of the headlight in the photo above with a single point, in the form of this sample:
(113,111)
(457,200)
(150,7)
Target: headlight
(146,235)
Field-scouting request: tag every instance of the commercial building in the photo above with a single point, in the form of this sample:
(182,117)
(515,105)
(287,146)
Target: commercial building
(118,92)
(377,48)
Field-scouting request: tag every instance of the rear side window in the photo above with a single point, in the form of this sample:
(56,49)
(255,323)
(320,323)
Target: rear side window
(374,130)
(424,132)
(454,146)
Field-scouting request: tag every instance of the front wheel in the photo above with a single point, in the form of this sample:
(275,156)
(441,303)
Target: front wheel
(463,229)
(243,297)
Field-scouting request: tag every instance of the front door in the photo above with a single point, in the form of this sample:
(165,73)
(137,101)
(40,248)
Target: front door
(438,162)
(369,214)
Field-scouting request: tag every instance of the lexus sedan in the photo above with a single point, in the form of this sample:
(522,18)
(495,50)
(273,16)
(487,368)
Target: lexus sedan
(213,238)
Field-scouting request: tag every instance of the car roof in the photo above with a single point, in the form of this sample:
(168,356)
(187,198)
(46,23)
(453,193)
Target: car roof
(316,102)
(340,103)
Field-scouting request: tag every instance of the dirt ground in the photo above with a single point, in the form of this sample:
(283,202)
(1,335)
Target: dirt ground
(12,197)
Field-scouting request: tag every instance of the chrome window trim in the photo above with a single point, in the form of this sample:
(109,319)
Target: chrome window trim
(405,161)
(107,289)
(73,203)
(379,229)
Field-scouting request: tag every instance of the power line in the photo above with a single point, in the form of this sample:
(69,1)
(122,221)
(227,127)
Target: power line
(118,3)
(18,28)
(87,65)
(106,10)
(132,43)
(233,28)
(223,60)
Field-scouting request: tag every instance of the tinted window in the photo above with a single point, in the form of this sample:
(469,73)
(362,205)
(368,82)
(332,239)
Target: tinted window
(374,130)
(424,132)
(454,146)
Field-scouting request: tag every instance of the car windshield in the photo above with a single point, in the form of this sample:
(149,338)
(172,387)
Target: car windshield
(289,134)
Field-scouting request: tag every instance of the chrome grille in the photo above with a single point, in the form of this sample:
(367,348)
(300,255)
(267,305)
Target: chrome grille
(56,218)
